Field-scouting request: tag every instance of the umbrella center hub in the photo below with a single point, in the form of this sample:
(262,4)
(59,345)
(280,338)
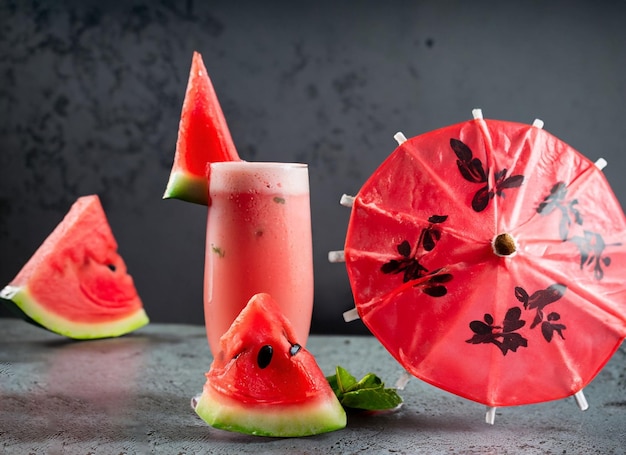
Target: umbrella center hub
(504,245)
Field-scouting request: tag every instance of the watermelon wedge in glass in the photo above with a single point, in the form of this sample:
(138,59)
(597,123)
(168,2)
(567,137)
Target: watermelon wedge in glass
(263,382)
(203,137)
(76,283)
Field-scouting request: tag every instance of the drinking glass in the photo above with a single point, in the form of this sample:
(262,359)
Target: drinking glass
(258,240)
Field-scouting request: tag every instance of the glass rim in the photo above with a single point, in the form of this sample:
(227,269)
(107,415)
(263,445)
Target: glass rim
(259,164)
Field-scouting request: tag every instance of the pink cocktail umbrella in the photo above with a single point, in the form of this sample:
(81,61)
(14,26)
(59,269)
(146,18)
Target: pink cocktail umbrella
(489,258)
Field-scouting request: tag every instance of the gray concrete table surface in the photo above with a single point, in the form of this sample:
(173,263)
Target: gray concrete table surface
(131,395)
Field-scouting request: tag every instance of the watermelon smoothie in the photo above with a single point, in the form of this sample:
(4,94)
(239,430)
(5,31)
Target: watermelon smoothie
(258,240)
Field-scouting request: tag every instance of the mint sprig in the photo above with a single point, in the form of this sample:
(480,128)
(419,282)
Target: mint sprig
(368,394)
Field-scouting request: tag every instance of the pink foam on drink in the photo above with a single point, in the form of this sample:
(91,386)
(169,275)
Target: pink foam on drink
(259,176)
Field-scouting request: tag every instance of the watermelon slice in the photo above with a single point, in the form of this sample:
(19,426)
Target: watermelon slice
(203,137)
(76,283)
(264,383)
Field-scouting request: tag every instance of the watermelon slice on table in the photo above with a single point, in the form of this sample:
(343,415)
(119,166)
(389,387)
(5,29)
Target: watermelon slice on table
(76,283)
(264,383)
(203,137)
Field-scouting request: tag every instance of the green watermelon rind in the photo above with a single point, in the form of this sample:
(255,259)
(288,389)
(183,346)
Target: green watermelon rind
(14,309)
(187,187)
(320,414)
(24,303)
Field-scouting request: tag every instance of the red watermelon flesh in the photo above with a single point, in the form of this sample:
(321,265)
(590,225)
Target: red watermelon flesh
(203,138)
(76,284)
(263,382)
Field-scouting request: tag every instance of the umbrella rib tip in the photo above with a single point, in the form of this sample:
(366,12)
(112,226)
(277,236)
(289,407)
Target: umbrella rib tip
(351,315)
(538,123)
(581,401)
(477,114)
(403,380)
(346,200)
(399,137)
(601,163)
(336,256)
(490,416)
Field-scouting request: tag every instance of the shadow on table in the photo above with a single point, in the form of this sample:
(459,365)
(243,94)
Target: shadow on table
(192,428)
(57,388)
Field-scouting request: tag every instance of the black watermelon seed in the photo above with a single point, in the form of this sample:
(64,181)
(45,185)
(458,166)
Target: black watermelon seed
(264,357)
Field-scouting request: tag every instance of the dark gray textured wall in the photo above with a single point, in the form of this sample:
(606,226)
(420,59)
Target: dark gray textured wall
(90,97)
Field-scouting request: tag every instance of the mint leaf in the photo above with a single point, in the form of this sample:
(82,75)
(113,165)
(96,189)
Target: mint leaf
(367,394)
(371,399)
(370,381)
(345,380)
